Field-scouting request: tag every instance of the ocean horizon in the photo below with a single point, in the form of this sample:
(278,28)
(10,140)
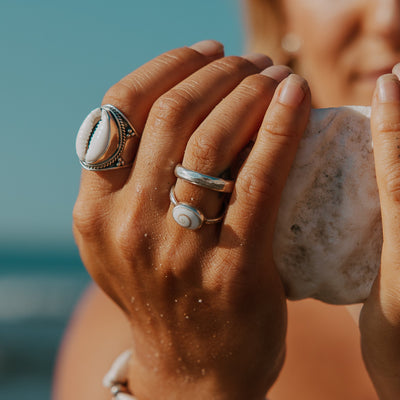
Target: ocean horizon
(39,289)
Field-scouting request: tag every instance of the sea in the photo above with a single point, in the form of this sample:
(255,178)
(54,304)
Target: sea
(38,292)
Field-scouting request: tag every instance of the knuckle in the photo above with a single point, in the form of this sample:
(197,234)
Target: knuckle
(131,236)
(179,56)
(234,65)
(123,242)
(87,219)
(172,57)
(275,128)
(393,182)
(257,84)
(128,236)
(131,88)
(255,184)
(170,108)
(123,94)
(388,127)
(204,150)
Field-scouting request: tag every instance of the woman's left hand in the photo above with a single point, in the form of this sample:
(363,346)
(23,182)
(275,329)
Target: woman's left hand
(380,316)
(207,308)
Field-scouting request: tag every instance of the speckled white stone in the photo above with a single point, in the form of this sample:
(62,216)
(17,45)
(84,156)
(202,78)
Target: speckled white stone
(328,236)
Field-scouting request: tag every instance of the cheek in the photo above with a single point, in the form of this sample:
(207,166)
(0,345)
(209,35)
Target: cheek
(327,60)
(328,30)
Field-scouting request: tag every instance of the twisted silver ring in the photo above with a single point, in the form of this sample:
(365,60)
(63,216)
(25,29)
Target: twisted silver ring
(103,138)
(205,181)
(189,217)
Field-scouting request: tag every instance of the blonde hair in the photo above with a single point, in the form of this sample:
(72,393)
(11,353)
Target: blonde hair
(265,27)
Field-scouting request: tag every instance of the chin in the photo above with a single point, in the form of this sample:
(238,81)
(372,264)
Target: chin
(352,93)
(362,93)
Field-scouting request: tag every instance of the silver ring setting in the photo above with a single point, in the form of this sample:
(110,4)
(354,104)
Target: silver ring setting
(102,142)
(187,216)
(204,181)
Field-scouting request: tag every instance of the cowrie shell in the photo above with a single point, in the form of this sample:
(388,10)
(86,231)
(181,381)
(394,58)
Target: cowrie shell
(187,217)
(93,136)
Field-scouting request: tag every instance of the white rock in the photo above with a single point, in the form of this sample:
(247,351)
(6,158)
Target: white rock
(328,237)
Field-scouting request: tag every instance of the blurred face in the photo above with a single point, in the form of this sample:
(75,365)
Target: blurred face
(346,45)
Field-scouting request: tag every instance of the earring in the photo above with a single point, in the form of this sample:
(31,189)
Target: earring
(291,43)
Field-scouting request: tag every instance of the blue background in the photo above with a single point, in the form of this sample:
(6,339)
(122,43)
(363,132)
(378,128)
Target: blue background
(57,60)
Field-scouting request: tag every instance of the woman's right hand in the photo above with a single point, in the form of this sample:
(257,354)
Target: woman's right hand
(380,316)
(207,307)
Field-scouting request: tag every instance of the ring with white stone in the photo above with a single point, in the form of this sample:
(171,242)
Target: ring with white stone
(189,217)
(103,142)
(204,181)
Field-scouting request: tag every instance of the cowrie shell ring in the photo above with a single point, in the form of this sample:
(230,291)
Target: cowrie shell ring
(102,142)
(187,216)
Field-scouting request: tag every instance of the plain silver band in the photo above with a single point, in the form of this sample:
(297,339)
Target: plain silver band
(204,220)
(204,181)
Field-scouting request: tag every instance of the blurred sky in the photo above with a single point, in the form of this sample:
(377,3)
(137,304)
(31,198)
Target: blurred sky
(57,60)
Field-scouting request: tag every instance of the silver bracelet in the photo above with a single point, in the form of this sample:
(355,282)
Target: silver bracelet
(116,378)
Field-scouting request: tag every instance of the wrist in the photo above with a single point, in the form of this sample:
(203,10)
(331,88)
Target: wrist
(383,366)
(381,348)
(150,385)
(159,379)
(170,387)
(387,387)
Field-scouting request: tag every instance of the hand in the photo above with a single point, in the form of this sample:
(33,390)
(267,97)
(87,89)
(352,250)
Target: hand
(380,316)
(207,307)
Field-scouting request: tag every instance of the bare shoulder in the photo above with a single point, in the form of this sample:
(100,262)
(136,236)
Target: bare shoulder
(97,333)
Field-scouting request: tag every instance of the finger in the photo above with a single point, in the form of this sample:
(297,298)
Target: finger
(177,114)
(135,94)
(214,147)
(385,127)
(255,201)
(278,72)
(396,70)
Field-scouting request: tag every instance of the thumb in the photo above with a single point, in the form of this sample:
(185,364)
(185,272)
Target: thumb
(385,127)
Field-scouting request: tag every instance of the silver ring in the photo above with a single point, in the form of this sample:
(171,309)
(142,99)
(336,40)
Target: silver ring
(102,140)
(189,217)
(205,181)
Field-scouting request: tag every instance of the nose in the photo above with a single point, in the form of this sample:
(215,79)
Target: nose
(384,19)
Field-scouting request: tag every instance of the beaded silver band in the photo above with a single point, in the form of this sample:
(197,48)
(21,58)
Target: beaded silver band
(189,217)
(205,181)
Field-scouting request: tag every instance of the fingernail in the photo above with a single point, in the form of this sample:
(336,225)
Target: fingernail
(396,70)
(293,90)
(209,47)
(388,89)
(259,60)
(277,72)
